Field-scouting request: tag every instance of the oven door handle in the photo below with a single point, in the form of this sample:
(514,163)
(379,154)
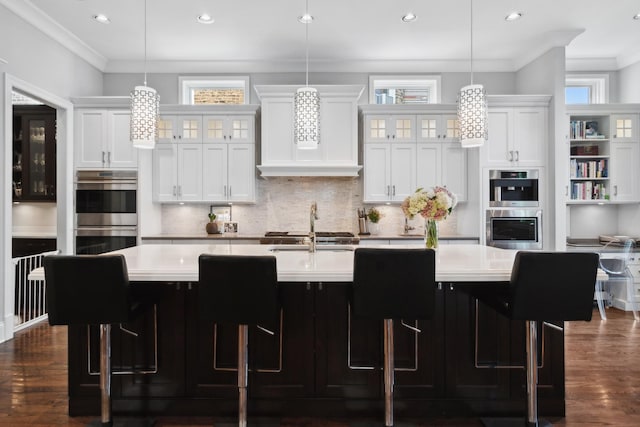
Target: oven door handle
(107,231)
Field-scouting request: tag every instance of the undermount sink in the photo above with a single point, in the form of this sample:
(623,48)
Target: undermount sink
(305,248)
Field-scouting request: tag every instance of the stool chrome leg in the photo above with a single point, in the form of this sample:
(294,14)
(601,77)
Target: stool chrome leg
(388,372)
(105,374)
(243,369)
(532,373)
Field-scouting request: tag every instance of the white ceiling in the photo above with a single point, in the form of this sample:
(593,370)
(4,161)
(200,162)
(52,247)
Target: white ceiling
(347,35)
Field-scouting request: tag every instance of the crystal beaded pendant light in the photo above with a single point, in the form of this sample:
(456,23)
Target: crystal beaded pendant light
(145,106)
(306,109)
(472,108)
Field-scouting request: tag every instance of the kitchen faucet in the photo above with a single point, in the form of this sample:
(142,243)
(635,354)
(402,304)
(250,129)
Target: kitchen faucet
(313,215)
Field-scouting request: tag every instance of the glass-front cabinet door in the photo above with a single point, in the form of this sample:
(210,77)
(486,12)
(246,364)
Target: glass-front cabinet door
(34,153)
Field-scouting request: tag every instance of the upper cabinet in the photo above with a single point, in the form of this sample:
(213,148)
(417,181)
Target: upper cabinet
(517,137)
(179,128)
(102,139)
(604,154)
(34,153)
(337,153)
(407,147)
(207,154)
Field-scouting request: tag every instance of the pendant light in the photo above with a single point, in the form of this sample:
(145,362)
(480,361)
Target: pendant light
(306,109)
(472,108)
(145,105)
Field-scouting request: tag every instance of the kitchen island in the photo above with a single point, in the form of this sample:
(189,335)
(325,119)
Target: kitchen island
(315,378)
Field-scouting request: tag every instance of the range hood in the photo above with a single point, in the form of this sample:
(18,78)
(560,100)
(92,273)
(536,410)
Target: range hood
(337,153)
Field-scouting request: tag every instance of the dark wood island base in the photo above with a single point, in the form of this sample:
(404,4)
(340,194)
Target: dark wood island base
(315,378)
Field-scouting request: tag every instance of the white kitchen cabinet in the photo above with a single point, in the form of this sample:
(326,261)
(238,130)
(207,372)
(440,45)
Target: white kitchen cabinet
(337,152)
(624,176)
(517,137)
(390,171)
(223,128)
(624,128)
(102,139)
(396,127)
(177,172)
(228,172)
(442,164)
(179,128)
(437,128)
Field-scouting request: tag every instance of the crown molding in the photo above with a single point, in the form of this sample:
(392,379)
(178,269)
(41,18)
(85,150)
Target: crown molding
(39,20)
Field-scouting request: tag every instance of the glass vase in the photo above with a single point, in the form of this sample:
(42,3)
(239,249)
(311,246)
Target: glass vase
(431,234)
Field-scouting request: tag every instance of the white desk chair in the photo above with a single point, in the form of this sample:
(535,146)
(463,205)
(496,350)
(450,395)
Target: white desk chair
(615,262)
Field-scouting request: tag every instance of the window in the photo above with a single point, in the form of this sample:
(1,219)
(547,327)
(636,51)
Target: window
(587,89)
(214,90)
(404,89)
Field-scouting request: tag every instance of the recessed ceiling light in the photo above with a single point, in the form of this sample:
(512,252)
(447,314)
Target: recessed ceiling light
(409,17)
(305,19)
(205,18)
(637,17)
(513,16)
(103,19)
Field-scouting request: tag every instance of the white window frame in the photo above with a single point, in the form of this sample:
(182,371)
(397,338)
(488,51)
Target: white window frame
(597,83)
(187,83)
(433,82)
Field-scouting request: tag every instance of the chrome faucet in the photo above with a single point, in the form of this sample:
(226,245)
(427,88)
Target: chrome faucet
(313,215)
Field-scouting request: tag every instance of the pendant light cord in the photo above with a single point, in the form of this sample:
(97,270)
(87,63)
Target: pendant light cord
(471,35)
(145,42)
(306,41)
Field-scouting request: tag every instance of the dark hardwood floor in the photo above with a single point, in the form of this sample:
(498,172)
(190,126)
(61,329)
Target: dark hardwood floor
(602,384)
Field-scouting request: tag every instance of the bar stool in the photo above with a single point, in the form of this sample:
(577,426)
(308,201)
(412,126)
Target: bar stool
(544,286)
(90,290)
(240,290)
(393,284)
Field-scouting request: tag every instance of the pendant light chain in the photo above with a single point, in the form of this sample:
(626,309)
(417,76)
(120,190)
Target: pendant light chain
(306,29)
(471,35)
(145,42)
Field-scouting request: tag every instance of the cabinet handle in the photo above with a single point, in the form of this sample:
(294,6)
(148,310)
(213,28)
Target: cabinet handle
(109,157)
(229,191)
(308,286)
(174,191)
(180,190)
(439,286)
(174,137)
(394,190)
(615,190)
(566,190)
(517,155)
(225,191)
(103,157)
(230,136)
(451,286)
(393,136)
(511,156)
(320,286)
(388,191)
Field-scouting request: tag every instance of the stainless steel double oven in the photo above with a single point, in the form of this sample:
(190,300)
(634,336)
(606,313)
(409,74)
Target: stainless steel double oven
(514,217)
(106,210)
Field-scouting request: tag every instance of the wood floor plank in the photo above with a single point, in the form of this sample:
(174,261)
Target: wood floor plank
(602,381)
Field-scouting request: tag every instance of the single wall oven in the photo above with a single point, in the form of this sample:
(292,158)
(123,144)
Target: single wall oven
(106,210)
(514,228)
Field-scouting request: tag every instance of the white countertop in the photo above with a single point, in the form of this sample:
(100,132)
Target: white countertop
(179,263)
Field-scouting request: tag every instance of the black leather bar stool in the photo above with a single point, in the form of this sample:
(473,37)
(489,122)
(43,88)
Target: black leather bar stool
(240,290)
(544,286)
(393,284)
(91,290)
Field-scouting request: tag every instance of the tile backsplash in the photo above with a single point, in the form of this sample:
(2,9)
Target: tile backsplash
(282,204)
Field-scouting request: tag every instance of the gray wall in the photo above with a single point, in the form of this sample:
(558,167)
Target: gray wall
(41,62)
(545,75)
(117,84)
(630,84)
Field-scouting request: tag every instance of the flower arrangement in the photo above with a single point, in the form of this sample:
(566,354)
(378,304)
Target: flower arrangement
(374,215)
(435,203)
